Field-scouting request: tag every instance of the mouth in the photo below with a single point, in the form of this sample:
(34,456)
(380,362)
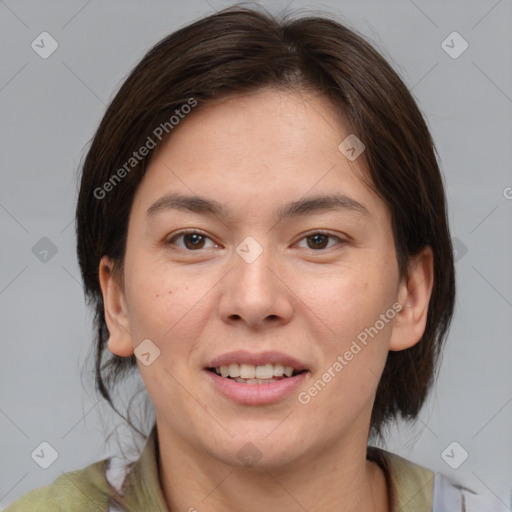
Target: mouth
(246,373)
(256,379)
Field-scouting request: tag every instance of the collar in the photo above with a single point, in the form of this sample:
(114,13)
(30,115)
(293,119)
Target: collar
(143,491)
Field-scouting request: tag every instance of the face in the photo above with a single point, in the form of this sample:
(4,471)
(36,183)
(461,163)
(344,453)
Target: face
(286,264)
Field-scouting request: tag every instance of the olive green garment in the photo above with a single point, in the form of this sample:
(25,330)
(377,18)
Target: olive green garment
(88,490)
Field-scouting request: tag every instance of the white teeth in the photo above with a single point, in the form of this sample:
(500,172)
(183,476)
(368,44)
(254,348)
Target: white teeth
(264,372)
(278,370)
(234,370)
(249,371)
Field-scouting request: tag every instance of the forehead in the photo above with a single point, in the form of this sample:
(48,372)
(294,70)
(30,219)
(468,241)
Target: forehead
(288,122)
(252,150)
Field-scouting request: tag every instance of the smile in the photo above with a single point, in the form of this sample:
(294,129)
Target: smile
(245,373)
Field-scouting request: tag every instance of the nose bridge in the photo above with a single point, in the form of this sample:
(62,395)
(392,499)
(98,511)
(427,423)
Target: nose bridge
(254,272)
(253,293)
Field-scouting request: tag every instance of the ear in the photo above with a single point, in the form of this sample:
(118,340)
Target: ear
(116,311)
(414,295)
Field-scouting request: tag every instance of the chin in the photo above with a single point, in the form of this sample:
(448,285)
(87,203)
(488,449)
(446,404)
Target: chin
(256,450)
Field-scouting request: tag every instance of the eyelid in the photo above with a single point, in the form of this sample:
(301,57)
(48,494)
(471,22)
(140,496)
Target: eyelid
(341,241)
(175,236)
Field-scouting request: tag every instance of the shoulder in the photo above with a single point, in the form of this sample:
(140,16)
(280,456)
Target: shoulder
(415,488)
(411,485)
(104,486)
(81,490)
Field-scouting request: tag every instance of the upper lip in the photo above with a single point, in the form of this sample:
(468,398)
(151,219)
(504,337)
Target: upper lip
(257,359)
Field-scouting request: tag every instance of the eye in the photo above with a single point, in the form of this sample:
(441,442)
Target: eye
(319,240)
(192,240)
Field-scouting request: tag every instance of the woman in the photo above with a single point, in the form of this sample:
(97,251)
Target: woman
(262,232)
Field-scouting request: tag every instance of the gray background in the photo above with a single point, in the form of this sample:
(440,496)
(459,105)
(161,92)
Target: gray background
(49,111)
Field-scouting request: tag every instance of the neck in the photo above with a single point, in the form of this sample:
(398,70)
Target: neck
(339,478)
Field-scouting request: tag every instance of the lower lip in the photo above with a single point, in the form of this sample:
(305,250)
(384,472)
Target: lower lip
(257,394)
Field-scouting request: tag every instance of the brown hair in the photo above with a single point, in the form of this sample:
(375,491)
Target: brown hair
(242,50)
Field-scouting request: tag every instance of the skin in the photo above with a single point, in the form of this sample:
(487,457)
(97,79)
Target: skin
(254,153)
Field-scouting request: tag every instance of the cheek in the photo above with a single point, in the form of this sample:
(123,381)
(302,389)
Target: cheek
(354,349)
(351,362)
(164,308)
(349,302)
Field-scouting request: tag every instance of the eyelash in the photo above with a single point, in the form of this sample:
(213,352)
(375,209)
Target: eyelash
(171,241)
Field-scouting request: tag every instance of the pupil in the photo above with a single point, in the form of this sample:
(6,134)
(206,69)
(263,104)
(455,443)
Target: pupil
(193,239)
(317,240)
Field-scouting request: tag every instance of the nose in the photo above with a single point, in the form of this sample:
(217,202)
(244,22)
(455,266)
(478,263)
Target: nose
(256,293)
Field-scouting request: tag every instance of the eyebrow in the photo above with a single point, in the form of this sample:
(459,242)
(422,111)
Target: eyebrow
(302,207)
